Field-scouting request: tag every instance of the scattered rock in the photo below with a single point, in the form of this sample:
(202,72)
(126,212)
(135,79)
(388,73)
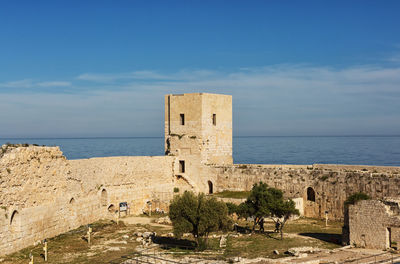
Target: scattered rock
(139,239)
(276,252)
(113,249)
(297,250)
(222,242)
(163,220)
(146,234)
(125,236)
(303,255)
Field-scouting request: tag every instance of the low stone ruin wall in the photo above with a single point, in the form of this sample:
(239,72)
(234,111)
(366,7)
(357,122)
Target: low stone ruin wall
(374,224)
(42,194)
(322,187)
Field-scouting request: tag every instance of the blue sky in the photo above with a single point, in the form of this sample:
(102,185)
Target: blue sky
(101,68)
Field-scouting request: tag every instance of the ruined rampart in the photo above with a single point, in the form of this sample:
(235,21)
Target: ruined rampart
(322,187)
(375,224)
(42,194)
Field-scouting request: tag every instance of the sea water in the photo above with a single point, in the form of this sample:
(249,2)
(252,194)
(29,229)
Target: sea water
(362,150)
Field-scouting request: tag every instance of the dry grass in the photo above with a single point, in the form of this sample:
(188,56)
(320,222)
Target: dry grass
(108,244)
(108,236)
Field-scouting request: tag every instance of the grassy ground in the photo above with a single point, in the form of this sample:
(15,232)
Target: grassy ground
(110,242)
(297,233)
(233,194)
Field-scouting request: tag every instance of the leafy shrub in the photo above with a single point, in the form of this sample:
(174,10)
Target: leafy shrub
(355,197)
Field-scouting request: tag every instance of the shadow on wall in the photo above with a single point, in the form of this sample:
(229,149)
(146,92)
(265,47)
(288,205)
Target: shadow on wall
(331,238)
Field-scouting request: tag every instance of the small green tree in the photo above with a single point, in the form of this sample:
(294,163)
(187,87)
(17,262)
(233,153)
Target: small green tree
(352,199)
(199,215)
(232,208)
(265,201)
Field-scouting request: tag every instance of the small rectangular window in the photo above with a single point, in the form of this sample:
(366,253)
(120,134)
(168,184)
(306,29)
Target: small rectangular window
(214,119)
(182,119)
(182,166)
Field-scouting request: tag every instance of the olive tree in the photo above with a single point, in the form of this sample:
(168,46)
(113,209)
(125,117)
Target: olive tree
(267,202)
(198,215)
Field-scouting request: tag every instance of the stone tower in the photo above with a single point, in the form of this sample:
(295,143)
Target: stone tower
(198,126)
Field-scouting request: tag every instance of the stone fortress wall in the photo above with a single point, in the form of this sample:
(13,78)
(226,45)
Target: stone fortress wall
(375,224)
(321,187)
(42,194)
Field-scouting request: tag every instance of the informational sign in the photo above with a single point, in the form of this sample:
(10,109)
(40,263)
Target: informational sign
(123,207)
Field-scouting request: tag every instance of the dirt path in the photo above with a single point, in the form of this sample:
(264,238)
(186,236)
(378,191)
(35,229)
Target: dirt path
(135,220)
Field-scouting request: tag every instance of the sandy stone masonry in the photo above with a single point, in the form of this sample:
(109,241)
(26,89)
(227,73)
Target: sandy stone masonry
(375,224)
(42,194)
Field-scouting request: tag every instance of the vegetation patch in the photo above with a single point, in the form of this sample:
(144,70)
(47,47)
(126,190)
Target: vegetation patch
(233,194)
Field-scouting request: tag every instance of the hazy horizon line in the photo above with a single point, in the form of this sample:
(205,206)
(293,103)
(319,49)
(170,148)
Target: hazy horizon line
(117,137)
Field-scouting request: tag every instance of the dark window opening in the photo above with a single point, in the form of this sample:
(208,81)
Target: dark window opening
(182,117)
(182,166)
(210,187)
(310,194)
(103,199)
(214,119)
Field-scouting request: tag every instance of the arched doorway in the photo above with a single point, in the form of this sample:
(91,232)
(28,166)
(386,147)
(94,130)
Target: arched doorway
(103,198)
(15,221)
(310,194)
(210,187)
(14,218)
(111,209)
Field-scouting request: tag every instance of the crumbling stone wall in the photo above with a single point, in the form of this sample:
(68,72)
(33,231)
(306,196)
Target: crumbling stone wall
(375,224)
(42,194)
(332,184)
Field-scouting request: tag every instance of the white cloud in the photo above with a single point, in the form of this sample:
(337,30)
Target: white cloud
(28,83)
(273,100)
(53,84)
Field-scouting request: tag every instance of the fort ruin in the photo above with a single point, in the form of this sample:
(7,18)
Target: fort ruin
(42,194)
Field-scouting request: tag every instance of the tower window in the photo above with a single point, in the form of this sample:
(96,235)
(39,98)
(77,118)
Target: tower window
(182,166)
(214,119)
(182,119)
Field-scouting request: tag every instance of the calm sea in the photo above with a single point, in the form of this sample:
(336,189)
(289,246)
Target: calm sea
(263,150)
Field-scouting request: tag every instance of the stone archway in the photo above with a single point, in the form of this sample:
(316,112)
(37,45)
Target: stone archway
(210,187)
(14,218)
(103,198)
(111,209)
(311,207)
(15,222)
(310,194)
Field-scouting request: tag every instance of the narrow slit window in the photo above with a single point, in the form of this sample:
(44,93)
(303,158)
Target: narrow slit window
(214,119)
(182,118)
(182,166)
